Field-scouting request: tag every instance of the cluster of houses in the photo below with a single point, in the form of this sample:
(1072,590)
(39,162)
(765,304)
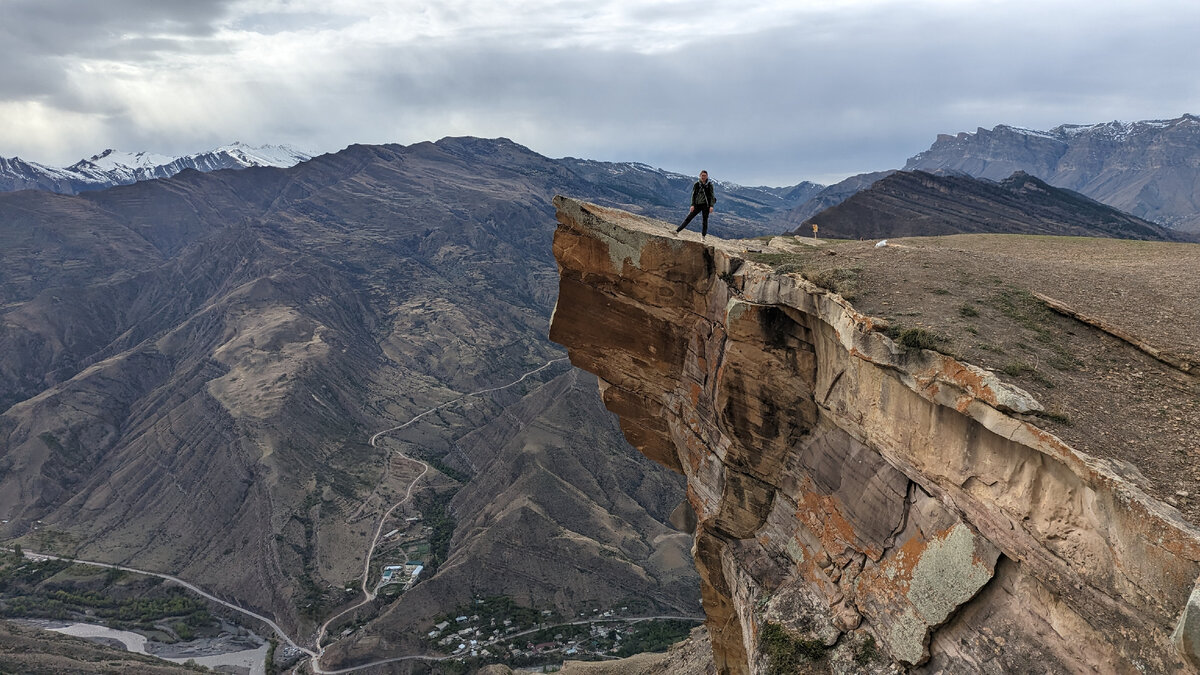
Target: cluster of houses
(478,641)
(470,636)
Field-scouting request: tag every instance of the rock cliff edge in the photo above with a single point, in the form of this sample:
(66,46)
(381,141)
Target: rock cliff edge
(860,504)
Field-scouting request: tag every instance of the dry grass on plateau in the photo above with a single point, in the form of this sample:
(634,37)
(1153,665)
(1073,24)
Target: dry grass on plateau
(983,299)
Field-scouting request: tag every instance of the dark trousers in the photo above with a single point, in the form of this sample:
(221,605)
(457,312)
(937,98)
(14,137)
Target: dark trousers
(697,211)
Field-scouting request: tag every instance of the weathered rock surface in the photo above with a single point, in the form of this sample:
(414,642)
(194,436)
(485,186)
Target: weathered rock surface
(881,505)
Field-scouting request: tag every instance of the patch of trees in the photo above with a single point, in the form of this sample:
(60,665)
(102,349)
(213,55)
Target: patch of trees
(28,590)
(655,636)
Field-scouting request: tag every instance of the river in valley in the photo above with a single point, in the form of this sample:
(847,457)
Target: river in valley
(226,650)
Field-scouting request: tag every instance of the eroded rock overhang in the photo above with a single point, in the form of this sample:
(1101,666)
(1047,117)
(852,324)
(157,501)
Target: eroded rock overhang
(846,486)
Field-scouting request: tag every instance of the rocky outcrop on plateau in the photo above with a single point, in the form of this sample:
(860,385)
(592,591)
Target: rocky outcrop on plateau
(863,505)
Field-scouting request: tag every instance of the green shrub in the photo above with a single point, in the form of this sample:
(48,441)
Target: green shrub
(915,338)
(777,259)
(865,651)
(1016,368)
(1019,368)
(1063,361)
(785,652)
(841,280)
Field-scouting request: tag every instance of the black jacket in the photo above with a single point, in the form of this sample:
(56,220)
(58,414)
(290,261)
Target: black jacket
(702,195)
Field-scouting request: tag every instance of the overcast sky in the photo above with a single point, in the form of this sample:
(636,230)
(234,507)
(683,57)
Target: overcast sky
(756,92)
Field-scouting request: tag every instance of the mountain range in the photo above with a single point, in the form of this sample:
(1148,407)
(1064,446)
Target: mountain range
(638,187)
(192,369)
(112,167)
(919,204)
(1150,169)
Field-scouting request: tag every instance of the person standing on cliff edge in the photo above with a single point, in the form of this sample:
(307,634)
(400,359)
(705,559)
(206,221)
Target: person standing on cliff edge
(702,204)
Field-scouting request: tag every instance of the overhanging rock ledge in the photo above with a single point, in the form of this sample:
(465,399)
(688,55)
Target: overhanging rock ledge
(881,506)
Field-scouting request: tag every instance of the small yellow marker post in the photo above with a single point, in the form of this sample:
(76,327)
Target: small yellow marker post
(814,231)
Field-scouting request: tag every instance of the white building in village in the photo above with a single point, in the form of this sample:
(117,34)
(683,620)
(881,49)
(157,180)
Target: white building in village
(406,574)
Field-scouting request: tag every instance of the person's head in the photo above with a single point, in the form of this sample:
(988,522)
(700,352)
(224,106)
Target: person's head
(703,176)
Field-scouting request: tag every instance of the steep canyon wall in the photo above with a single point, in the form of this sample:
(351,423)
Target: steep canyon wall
(858,502)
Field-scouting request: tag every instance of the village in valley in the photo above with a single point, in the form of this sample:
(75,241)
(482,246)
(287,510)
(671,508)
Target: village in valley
(496,629)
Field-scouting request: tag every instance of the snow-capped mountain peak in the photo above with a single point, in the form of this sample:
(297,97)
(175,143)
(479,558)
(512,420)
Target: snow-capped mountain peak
(114,167)
(265,155)
(113,159)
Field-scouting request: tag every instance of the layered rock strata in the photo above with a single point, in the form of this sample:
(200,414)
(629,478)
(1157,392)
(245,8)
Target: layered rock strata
(874,505)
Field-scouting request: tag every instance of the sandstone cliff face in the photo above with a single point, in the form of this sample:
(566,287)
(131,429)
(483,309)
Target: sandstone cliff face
(880,505)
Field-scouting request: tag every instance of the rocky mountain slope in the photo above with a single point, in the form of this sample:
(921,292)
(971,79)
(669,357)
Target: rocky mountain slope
(560,515)
(1149,168)
(875,486)
(916,203)
(111,167)
(827,197)
(191,368)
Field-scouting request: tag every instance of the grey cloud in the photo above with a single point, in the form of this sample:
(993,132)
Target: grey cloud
(57,26)
(40,40)
(270,23)
(834,94)
(797,101)
(88,28)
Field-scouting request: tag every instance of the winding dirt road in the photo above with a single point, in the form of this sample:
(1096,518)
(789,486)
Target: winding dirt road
(369,593)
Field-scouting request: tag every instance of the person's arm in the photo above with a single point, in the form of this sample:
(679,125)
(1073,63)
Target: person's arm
(712,196)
